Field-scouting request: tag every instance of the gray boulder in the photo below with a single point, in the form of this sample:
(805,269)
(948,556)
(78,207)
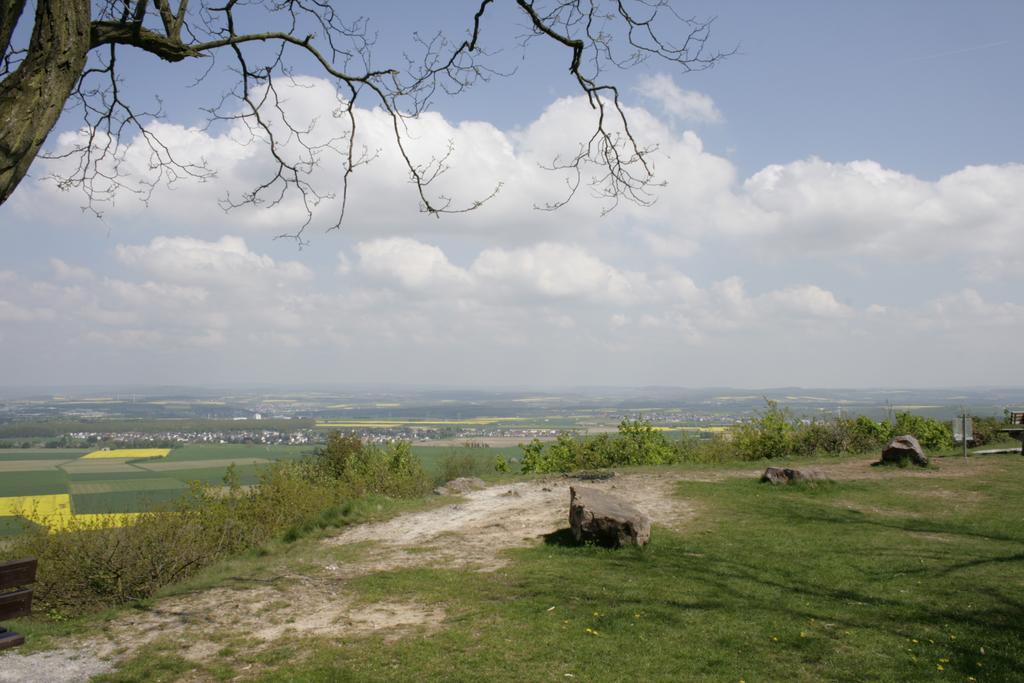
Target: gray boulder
(459,486)
(902,449)
(785,475)
(606,519)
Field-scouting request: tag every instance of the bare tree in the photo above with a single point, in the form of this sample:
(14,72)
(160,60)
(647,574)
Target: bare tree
(70,62)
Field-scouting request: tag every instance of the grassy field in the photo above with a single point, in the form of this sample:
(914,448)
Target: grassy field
(887,576)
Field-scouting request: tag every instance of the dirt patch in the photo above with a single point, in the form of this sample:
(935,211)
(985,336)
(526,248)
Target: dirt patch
(471,534)
(943,468)
(56,666)
(474,533)
(202,622)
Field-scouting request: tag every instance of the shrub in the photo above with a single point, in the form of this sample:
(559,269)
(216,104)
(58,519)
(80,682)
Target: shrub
(930,433)
(868,435)
(986,430)
(361,470)
(637,443)
(86,566)
(339,451)
(767,436)
(456,464)
(717,449)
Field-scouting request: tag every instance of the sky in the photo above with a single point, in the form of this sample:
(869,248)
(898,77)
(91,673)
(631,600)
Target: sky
(843,206)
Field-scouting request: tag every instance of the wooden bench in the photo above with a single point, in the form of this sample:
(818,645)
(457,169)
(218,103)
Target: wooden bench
(1017,428)
(15,598)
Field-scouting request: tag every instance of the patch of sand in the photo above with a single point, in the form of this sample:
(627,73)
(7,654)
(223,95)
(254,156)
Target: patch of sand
(473,533)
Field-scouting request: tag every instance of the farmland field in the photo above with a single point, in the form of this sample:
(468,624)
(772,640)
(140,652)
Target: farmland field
(128,453)
(125,481)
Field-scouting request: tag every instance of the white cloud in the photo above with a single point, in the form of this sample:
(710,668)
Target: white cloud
(835,251)
(13,313)
(809,207)
(685,105)
(227,262)
(808,300)
(63,271)
(554,270)
(413,264)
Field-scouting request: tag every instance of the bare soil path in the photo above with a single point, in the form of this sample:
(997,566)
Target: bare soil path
(471,534)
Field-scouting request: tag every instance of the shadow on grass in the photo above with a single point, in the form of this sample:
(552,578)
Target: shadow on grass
(562,538)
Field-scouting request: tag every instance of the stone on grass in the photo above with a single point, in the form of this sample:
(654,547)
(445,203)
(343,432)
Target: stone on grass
(606,519)
(459,486)
(786,475)
(902,449)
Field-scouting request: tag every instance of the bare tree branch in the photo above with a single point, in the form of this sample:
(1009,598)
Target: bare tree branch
(597,35)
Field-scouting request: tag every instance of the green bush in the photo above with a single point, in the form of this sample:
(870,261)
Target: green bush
(767,436)
(637,443)
(86,566)
(930,433)
(986,430)
(362,470)
(460,463)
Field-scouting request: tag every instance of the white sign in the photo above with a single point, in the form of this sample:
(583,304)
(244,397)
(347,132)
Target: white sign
(958,429)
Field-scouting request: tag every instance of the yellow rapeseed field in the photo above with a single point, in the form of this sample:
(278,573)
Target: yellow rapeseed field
(128,453)
(39,506)
(53,511)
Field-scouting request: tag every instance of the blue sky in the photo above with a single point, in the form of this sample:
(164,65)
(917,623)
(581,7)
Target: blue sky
(844,197)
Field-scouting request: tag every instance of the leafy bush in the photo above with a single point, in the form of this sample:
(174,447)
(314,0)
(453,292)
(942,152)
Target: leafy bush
(986,430)
(637,443)
(930,433)
(362,470)
(86,566)
(767,436)
(456,464)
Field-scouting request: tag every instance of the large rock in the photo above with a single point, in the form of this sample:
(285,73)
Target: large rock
(606,519)
(785,475)
(902,449)
(459,486)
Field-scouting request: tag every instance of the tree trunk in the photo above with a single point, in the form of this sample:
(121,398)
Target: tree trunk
(32,98)
(10,12)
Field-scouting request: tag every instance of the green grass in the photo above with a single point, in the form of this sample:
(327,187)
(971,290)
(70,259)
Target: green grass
(433,457)
(102,486)
(122,501)
(33,483)
(878,579)
(41,454)
(201,452)
(247,474)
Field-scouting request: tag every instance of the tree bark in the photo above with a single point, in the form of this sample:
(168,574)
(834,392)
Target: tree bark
(10,12)
(32,98)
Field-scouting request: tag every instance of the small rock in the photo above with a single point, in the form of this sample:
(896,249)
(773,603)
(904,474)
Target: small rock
(904,448)
(786,475)
(460,486)
(606,519)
